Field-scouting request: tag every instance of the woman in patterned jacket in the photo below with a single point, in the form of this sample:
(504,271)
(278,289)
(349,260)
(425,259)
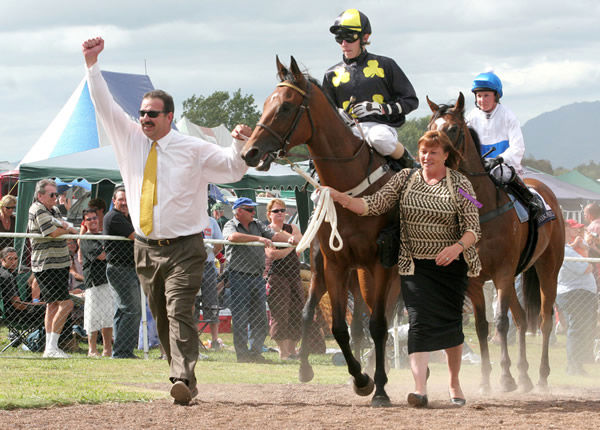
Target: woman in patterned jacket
(439,228)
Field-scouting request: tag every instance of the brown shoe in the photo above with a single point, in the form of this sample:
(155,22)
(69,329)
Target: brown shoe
(181,393)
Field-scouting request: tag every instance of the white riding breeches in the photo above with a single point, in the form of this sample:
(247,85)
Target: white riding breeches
(382,137)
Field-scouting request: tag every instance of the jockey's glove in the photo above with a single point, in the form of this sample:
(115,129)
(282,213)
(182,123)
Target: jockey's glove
(490,163)
(345,117)
(364,109)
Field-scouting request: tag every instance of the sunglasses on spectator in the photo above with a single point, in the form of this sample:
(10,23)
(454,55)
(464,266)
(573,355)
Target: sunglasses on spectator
(151,113)
(93,218)
(278,211)
(348,37)
(53,195)
(11,207)
(248,209)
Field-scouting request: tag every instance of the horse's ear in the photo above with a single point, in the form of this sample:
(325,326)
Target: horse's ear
(459,107)
(434,108)
(282,72)
(298,75)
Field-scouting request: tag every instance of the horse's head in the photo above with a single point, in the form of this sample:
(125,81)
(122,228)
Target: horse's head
(285,121)
(451,120)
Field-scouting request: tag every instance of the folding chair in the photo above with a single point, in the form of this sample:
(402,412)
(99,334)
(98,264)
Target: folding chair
(18,330)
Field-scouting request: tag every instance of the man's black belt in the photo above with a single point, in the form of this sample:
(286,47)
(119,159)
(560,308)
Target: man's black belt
(165,242)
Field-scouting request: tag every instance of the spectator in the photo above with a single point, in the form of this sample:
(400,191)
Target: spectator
(99,302)
(14,308)
(75,320)
(218,213)
(577,300)
(245,268)
(286,295)
(120,272)
(169,211)
(50,263)
(591,214)
(208,296)
(100,207)
(8,204)
(439,230)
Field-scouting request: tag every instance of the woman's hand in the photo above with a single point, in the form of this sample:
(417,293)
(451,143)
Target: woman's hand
(448,255)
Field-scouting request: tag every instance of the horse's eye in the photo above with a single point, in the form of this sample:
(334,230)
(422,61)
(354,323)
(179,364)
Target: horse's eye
(452,132)
(284,110)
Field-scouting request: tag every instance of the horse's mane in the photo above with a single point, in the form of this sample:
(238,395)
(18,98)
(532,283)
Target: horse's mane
(443,110)
(290,77)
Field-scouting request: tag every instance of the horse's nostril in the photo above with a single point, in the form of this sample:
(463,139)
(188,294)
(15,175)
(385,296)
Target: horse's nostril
(250,154)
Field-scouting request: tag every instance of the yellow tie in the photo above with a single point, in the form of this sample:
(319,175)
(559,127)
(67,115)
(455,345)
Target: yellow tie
(148,199)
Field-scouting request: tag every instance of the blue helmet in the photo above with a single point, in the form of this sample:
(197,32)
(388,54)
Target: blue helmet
(487,81)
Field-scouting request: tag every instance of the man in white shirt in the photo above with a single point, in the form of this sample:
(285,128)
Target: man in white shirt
(169,249)
(499,129)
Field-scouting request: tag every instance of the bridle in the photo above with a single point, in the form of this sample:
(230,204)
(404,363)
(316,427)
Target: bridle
(304,107)
(459,143)
(285,139)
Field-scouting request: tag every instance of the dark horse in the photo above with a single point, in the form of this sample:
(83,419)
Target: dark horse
(298,112)
(502,242)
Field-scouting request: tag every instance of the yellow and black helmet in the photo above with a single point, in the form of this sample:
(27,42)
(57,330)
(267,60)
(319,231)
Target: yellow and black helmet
(351,20)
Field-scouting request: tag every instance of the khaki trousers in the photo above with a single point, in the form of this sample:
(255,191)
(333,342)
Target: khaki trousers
(171,277)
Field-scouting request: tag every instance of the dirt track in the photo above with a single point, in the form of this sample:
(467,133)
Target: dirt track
(318,406)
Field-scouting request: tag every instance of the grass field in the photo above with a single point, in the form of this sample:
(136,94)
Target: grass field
(28,381)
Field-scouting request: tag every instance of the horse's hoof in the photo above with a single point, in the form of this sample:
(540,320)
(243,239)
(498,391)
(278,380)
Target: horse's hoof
(381,401)
(366,389)
(485,389)
(305,373)
(525,385)
(542,387)
(508,384)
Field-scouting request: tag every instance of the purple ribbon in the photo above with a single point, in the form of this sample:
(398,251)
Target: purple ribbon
(470,198)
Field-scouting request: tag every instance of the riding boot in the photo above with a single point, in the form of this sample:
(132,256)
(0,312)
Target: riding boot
(532,201)
(407,161)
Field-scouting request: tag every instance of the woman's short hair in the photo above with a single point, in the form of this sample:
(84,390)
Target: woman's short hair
(439,138)
(8,200)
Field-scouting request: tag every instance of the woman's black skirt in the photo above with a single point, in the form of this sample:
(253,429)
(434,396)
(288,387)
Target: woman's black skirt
(434,298)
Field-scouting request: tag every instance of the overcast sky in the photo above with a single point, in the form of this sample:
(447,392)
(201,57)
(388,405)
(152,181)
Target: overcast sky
(547,53)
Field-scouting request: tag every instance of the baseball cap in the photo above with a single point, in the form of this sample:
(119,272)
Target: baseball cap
(573,224)
(243,201)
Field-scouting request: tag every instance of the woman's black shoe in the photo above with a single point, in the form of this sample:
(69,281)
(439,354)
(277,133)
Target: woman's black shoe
(417,400)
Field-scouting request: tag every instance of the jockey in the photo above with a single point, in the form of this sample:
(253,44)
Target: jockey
(382,94)
(499,129)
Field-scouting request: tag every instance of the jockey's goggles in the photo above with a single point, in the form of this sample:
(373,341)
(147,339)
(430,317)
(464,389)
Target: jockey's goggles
(348,36)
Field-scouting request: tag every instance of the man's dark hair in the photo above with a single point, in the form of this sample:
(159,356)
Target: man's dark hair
(87,211)
(97,204)
(169,106)
(7,251)
(118,190)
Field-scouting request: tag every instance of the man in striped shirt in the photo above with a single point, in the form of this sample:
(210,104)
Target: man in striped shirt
(50,262)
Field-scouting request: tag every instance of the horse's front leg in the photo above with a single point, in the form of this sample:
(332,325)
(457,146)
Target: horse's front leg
(505,292)
(315,292)
(525,384)
(378,327)
(477,297)
(338,295)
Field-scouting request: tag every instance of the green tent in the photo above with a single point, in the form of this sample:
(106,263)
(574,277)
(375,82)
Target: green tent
(575,177)
(99,167)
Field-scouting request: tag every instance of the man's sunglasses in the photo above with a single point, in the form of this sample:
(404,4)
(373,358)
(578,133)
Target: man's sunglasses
(53,195)
(348,37)
(278,211)
(11,207)
(151,113)
(94,218)
(248,209)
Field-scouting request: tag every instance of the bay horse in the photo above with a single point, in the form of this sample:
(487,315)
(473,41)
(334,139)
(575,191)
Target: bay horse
(298,112)
(502,242)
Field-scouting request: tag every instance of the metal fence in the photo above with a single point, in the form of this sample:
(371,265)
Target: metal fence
(260,297)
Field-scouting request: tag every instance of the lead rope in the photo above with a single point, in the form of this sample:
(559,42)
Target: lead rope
(324,211)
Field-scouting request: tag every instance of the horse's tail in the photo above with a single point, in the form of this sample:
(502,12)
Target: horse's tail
(532,298)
